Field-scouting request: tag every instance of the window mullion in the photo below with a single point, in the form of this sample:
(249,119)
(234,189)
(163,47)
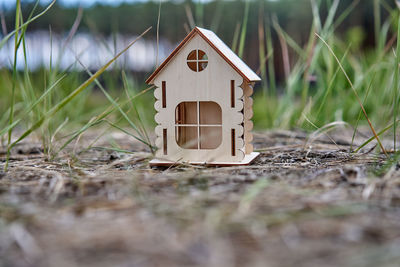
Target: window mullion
(198,125)
(197,60)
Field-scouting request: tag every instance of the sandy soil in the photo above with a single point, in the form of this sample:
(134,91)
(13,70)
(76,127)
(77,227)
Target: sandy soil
(304,202)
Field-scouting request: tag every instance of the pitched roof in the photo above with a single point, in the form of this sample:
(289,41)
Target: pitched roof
(220,47)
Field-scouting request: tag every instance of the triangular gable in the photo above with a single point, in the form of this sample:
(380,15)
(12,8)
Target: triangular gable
(220,47)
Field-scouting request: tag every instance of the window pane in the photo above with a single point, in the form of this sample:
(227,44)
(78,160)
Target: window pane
(202,55)
(210,137)
(186,136)
(186,113)
(192,55)
(202,65)
(210,113)
(192,65)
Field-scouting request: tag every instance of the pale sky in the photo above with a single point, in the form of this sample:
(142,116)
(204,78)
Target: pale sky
(84,3)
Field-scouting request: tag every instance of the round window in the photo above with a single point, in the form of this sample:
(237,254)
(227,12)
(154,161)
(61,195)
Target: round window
(197,60)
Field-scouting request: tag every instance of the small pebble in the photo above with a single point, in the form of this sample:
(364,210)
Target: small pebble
(114,156)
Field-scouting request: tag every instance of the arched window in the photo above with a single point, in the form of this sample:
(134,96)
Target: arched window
(198,125)
(197,60)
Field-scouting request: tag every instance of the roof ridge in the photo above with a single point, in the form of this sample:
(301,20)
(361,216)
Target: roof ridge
(220,47)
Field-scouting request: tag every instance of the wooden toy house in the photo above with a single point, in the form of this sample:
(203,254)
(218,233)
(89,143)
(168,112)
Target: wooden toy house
(203,104)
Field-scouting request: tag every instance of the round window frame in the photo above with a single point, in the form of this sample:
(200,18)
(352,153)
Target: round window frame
(194,62)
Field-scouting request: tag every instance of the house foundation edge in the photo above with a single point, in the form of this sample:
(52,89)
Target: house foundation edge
(248,159)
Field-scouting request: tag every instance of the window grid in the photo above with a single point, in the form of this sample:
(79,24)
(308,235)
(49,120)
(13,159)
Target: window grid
(197,61)
(198,125)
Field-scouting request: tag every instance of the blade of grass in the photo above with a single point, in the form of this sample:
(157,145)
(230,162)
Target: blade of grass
(310,55)
(261,43)
(396,85)
(360,113)
(289,40)
(199,11)
(189,15)
(263,62)
(244,28)
(285,56)
(345,13)
(331,85)
(235,39)
(216,21)
(71,34)
(142,127)
(158,34)
(355,93)
(373,137)
(3,22)
(271,67)
(53,137)
(331,15)
(377,20)
(316,18)
(14,80)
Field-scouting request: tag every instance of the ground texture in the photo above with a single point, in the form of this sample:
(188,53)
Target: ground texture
(305,202)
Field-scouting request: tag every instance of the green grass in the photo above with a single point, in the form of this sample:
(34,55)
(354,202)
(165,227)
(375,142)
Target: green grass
(330,80)
(45,102)
(343,73)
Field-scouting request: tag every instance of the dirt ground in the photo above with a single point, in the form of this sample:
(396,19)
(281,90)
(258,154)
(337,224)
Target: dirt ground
(304,202)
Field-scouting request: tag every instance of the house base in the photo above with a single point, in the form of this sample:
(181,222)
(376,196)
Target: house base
(249,158)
